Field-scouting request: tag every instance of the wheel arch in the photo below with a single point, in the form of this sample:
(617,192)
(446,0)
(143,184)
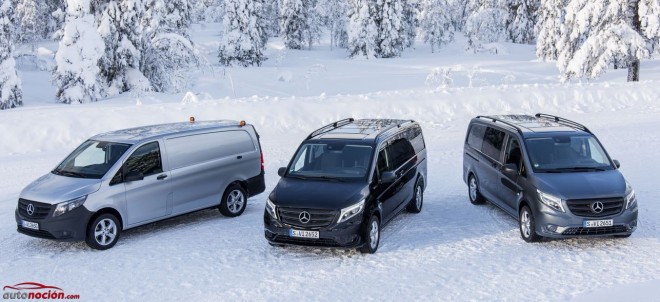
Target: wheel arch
(106,210)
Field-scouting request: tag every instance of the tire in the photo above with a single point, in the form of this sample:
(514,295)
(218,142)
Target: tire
(527,225)
(473,191)
(234,201)
(103,233)
(371,236)
(417,201)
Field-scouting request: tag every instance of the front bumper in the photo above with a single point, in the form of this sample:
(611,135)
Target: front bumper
(71,226)
(550,223)
(346,235)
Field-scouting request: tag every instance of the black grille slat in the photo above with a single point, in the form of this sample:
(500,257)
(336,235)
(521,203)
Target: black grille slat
(596,231)
(318,218)
(582,207)
(307,242)
(36,233)
(41,210)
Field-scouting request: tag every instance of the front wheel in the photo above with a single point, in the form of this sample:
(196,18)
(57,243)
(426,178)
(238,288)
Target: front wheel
(372,236)
(417,201)
(233,201)
(103,232)
(528,225)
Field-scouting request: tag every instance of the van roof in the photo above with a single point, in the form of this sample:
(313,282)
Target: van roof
(539,123)
(134,135)
(363,129)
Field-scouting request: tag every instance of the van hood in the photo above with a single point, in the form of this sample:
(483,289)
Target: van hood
(318,194)
(53,189)
(583,185)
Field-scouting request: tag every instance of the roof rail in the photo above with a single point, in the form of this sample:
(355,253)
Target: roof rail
(495,119)
(330,127)
(390,127)
(563,121)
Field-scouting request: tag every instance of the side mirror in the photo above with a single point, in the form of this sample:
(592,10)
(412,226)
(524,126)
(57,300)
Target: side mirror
(387,177)
(133,176)
(617,164)
(510,168)
(281,171)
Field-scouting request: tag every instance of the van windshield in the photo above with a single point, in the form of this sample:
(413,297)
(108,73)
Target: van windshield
(567,154)
(332,161)
(92,159)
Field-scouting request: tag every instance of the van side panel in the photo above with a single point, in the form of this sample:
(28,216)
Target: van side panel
(203,165)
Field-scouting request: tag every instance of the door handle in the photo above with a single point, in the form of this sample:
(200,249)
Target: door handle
(239,157)
(161,177)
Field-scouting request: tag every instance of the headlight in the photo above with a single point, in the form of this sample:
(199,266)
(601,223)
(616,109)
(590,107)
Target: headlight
(552,201)
(68,206)
(631,199)
(271,208)
(350,212)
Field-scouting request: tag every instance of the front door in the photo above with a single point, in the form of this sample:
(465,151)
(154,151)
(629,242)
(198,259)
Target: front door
(509,189)
(146,199)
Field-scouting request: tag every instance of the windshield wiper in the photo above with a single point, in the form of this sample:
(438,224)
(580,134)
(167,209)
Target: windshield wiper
(56,171)
(71,174)
(575,169)
(298,177)
(325,177)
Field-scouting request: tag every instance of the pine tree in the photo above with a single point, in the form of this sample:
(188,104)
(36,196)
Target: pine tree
(522,18)
(390,28)
(299,23)
(411,20)
(31,22)
(335,13)
(597,35)
(241,42)
(77,73)
(649,12)
(550,17)
(436,23)
(362,31)
(486,23)
(11,94)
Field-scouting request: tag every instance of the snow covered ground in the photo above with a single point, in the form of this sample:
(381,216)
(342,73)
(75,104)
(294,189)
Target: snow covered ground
(451,251)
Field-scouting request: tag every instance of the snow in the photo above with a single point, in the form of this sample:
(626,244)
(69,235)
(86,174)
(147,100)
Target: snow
(451,251)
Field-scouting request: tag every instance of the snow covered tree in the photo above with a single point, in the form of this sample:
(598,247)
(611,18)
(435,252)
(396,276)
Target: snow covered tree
(271,13)
(77,73)
(389,23)
(486,23)
(522,18)
(335,13)
(436,23)
(167,49)
(550,19)
(123,43)
(10,84)
(362,31)
(241,42)
(300,23)
(649,12)
(410,20)
(31,21)
(597,35)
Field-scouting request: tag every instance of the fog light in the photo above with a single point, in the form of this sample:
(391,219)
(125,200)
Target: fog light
(551,228)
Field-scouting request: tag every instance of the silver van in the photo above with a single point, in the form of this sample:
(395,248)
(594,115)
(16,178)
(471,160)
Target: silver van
(122,179)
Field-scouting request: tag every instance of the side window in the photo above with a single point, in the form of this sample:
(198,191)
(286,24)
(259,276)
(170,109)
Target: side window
(145,159)
(513,154)
(493,141)
(476,136)
(400,151)
(382,162)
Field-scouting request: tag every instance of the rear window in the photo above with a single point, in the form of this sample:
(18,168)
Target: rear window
(476,136)
(194,149)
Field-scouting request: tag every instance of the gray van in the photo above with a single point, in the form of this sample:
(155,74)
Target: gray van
(551,173)
(126,178)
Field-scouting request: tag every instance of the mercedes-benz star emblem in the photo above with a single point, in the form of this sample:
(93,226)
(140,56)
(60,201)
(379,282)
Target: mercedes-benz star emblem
(597,207)
(30,209)
(304,217)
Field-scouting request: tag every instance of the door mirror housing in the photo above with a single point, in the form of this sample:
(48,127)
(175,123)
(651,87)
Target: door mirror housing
(133,176)
(617,164)
(510,168)
(281,171)
(387,177)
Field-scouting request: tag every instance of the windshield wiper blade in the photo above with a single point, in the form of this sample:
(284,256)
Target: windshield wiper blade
(573,169)
(298,177)
(71,174)
(325,177)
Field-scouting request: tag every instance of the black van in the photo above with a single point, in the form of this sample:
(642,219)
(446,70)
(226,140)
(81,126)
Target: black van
(551,173)
(345,182)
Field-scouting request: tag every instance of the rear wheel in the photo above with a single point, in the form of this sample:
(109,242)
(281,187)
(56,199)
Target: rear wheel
(417,201)
(233,201)
(528,225)
(103,232)
(473,190)
(372,236)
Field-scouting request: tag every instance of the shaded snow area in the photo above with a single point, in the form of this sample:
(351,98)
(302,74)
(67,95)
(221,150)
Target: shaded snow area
(451,251)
